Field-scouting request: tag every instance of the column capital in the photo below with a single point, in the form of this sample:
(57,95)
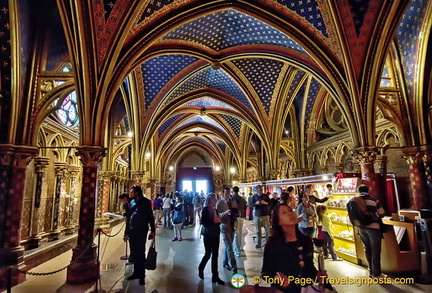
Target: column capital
(412,157)
(40,164)
(273,174)
(106,175)
(365,155)
(16,155)
(90,156)
(73,170)
(60,168)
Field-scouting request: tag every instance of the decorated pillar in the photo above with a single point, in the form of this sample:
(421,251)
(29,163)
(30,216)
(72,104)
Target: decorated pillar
(382,160)
(151,188)
(381,177)
(40,164)
(83,267)
(427,161)
(104,189)
(13,164)
(302,172)
(60,169)
(366,159)
(339,168)
(70,203)
(418,177)
(273,174)
(137,177)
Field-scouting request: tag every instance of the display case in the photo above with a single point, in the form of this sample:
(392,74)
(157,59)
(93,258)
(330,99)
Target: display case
(345,242)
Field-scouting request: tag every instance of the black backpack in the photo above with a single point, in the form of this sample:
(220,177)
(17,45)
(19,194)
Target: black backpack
(358,212)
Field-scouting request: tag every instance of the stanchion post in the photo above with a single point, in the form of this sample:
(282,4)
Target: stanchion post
(9,280)
(98,261)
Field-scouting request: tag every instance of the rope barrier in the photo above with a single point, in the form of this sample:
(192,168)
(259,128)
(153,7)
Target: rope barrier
(109,235)
(59,270)
(73,261)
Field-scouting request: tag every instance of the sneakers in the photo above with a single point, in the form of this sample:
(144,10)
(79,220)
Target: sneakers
(175,239)
(226,266)
(338,259)
(180,239)
(257,246)
(382,276)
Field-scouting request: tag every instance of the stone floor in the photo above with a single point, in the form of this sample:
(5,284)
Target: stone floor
(177,269)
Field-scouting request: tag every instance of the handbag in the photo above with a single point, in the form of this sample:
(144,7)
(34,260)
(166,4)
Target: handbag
(317,288)
(150,263)
(382,226)
(257,289)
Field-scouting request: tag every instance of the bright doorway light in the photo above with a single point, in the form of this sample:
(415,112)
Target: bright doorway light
(187,185)
(201,185)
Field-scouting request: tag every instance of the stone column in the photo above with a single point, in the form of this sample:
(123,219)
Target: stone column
(70,203)
(273,174)
(427,162)
(13,164)
(60,169)
(40,164)
(418,179)
(83,267)
(381,176)
(137,177)
(366,158)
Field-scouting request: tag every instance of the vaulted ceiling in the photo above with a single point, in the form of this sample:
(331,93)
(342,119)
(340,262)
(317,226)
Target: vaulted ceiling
(222,75)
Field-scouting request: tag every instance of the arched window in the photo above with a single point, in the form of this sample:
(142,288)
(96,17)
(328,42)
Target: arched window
(68,111)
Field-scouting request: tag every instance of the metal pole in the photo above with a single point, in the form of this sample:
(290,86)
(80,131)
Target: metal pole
(9,280)
(97,261)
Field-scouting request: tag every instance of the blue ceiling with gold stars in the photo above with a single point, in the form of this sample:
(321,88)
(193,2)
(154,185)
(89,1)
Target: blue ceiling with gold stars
(230,28)
(158,71)
(309,10)
(208,102)
(262,74)
(211,78)
(408,35)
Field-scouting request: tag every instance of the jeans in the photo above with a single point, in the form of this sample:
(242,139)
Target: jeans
(177,230)
(309,231)
(371,239)
(262,222)
(328,246)
(238,236)
(157,215)
(228,236)
(166,216)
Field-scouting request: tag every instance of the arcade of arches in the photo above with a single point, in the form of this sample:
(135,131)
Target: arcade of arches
(96,96)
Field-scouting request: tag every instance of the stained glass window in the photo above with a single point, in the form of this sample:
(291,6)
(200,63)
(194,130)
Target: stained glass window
(68,111)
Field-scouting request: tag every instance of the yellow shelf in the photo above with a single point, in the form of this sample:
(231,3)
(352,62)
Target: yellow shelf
(341,223)
(336,208)
(348,257)
(345,239)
